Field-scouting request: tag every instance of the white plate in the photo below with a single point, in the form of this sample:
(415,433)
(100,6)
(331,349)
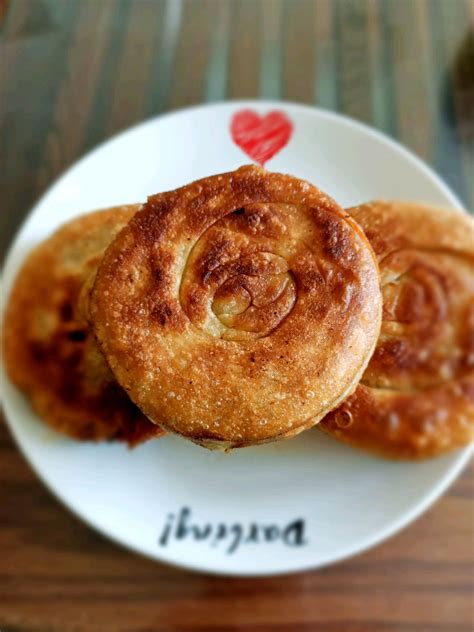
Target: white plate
(284,507)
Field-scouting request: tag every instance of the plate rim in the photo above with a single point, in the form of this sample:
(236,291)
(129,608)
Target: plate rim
(381,535)
(329,114)
(286,569)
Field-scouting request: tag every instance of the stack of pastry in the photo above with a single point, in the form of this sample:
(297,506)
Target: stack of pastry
(50,351)
(248,307)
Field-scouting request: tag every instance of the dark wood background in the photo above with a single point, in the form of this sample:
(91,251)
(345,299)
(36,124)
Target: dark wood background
(74,72)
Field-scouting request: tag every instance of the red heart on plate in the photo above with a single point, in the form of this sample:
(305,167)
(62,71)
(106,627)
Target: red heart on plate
(261,137)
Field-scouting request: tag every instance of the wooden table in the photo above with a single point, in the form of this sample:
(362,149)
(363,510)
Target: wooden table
(73,72)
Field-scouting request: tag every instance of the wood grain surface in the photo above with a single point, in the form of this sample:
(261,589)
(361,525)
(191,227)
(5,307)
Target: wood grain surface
(73,73)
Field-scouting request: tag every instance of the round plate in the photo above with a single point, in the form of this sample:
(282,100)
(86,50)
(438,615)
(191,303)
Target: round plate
(283,507)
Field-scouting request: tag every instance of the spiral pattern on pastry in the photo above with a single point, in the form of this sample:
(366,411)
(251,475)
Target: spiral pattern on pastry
(416,398)
(238,309)
(50,351)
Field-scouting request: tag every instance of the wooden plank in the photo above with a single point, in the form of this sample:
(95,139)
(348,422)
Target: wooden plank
(326,88)
(299,51)
(36,37)
(353,59)
(245,42)
(193,49)
(74,101)
(458,37)
(128,102)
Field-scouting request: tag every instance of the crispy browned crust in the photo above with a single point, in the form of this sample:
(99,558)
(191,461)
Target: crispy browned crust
(51,354)
(238,309)
(416,398)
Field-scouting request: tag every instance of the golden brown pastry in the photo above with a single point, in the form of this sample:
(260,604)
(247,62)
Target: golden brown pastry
(238,309)
(51,354)
(416,398)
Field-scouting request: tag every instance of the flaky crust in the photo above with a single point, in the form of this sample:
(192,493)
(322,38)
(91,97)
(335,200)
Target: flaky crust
(51,354)
(238,309)
(416,398)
